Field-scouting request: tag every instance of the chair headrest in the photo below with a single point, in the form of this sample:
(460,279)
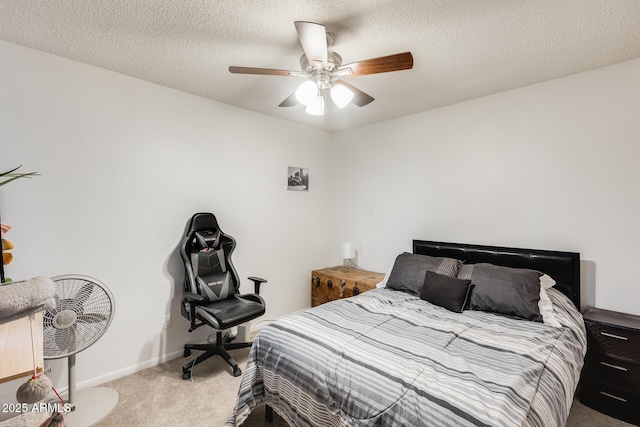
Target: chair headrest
(202,221)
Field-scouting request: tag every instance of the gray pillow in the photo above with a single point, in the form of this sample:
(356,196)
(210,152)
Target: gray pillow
(409,271)
(504,290)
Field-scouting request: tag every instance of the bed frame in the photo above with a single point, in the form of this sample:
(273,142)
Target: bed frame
(563,267)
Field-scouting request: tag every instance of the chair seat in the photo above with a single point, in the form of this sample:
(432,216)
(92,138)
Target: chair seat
(232,311)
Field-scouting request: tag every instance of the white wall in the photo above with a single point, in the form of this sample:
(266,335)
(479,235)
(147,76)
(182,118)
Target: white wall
(548,166)
(124,164)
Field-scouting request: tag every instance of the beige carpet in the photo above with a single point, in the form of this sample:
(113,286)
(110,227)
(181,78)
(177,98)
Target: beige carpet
(159,397)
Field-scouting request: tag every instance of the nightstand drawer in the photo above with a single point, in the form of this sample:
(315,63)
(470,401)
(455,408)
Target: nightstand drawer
(621,343)
(610,401)
(617,373)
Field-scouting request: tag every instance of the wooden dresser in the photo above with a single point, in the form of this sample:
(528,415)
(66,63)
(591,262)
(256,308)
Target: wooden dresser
(610,381)
(329,284)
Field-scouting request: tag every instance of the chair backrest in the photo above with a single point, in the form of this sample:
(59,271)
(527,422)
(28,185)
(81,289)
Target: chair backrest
(206,253)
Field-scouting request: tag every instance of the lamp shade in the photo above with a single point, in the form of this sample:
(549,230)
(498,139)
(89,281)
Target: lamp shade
(317,107)
(348,250)
(341,95)
(307,92)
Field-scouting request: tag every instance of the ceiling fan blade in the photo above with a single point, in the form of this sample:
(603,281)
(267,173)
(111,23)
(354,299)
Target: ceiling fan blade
(313,38)
(360,98)
(290,101)
(263,71)
(384,64)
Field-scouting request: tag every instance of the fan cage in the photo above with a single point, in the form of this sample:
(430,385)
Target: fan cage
(83,312)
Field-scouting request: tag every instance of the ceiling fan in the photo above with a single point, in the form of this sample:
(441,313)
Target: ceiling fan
(324,70)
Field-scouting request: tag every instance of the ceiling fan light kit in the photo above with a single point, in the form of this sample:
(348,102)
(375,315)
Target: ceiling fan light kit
(341,95)
(312,96)
(323,68)
(317,107)
(307,93)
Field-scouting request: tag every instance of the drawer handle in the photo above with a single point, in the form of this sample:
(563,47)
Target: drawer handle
(613,397)
(620,368)
(356,290)
(618,337)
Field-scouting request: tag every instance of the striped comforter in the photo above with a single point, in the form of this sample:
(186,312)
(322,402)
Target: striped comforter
(387,358)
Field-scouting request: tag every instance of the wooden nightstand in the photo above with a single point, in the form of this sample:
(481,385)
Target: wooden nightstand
(610,381)
(333,283)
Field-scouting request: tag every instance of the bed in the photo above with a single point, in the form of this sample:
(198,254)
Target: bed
(388,357)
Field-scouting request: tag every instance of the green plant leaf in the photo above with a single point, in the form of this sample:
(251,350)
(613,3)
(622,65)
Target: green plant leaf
(8,172)
(14,176)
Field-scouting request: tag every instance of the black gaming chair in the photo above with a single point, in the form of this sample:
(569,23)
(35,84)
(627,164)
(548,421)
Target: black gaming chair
(211,290)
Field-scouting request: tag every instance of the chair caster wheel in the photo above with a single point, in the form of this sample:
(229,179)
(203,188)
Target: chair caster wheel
(186,353)
(186,375)
(237,372)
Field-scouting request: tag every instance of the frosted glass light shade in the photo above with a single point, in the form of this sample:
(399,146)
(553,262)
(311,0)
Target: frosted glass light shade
(348,250)
(307,92)
(317,107)
(341,95)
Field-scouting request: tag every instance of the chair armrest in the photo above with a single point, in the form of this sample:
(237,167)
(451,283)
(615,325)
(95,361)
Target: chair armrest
(257,281)
(193,298)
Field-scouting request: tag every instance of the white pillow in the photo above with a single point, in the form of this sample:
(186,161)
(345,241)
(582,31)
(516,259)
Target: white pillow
(383,284)
(545,305)
(547,282)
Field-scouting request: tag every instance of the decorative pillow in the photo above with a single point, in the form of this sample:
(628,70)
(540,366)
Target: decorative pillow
(409,271)
(445,291)
(504,290)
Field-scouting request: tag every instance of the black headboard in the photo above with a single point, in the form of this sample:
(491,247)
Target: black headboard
(563,267)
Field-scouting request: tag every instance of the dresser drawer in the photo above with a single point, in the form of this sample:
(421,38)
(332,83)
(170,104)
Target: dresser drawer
(618,373)
(611,401)
(620,343)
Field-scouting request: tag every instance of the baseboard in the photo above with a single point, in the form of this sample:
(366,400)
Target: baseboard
(91,382)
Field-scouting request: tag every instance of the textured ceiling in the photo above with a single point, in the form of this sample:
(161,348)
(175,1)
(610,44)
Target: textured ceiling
(462,49)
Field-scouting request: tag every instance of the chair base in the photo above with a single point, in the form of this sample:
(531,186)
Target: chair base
(219,348)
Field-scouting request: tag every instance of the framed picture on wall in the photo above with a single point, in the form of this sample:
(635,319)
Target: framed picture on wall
(297,178)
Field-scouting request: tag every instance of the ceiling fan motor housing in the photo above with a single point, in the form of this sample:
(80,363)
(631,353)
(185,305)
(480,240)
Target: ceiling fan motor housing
(323,76)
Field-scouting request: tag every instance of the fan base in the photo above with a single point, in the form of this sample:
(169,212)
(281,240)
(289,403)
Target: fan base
(91,405)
